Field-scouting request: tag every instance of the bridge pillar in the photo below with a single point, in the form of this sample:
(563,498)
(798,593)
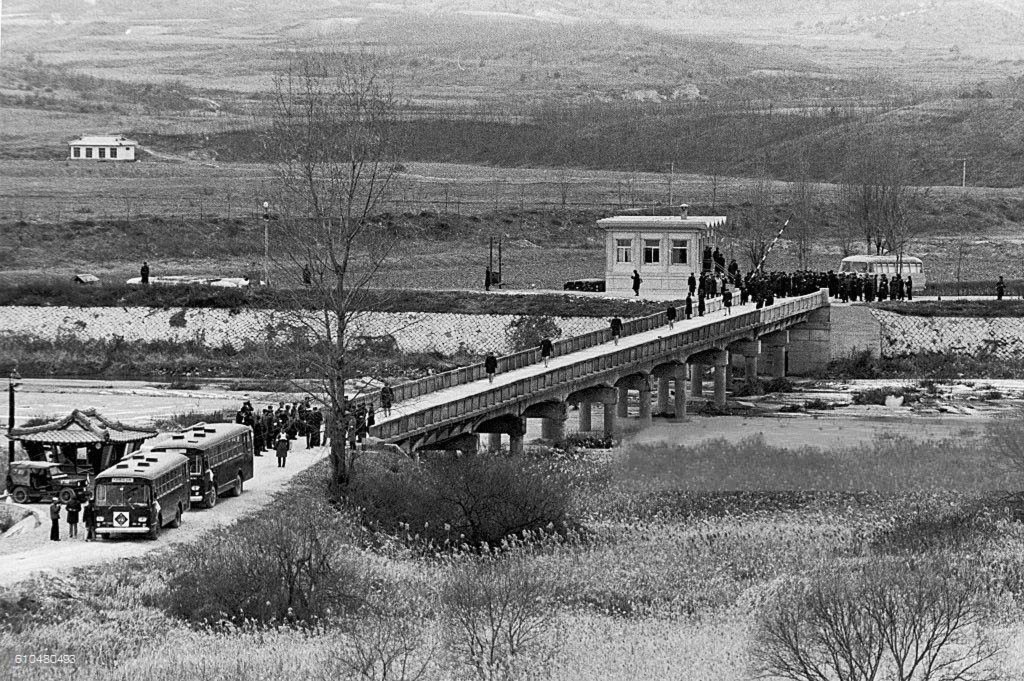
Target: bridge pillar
(810,349)
(553,425)
(585,414)
(515,443)
(728,372)
(622,405)
(645,404)
(664,383)
(494,442)
(609,419)
(750,350)
(680,396)
(776,344)
(697,379)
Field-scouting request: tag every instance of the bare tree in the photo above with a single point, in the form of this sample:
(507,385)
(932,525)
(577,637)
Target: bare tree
(891,619)
(802,198)
(876,195)
(500,615)
(333,139)
(755,227)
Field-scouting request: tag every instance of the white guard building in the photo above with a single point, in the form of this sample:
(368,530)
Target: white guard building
(664,249)
(102,148)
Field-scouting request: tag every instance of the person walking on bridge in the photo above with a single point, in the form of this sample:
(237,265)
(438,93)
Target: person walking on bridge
(688,308)
(490,366)
(546,348)
(616,329)
(387,397)
(670,315)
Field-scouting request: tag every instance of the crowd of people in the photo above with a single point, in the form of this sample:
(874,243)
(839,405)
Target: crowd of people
(275,428)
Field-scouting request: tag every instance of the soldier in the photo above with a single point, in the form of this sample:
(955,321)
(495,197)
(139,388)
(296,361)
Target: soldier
(1000,288)
(144,273)
(490,366)
(688,308)
(910,288)
(692,283)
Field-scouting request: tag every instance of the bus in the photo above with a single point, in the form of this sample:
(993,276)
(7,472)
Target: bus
(141,494)
(889,265)
(220,458)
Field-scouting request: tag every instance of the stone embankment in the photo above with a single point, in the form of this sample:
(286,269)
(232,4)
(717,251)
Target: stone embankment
(412,331)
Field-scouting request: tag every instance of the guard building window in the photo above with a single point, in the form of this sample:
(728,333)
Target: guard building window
(652,251)
(113,152)
(679,248)
(623,250)
(103,152)
(88,152)
(76,152)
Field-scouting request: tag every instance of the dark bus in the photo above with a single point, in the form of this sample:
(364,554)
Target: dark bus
(220,457)
(141,494)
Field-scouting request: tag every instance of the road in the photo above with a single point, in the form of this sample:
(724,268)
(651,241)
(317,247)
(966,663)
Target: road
(32,553)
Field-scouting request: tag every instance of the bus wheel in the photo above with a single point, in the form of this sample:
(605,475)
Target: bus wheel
(66,495)
(177,518)
(20,495)
(154,532)
(211,499)
(237,490)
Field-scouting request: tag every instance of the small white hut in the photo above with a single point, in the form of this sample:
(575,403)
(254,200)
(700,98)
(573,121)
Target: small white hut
(102,148)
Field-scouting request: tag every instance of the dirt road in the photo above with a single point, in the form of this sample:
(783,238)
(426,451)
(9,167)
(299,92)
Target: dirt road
(31,552)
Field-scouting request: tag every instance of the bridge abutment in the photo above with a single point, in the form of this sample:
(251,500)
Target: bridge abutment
(810,347)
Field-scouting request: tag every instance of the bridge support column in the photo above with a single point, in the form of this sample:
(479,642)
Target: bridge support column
(664,383)
(750,350)
(645,404)
(515,443)
(697,379)
(494,442)
(720,385)
(728,372)
(680,396)
(776,344)
(622,405)
(609,419)
(553,426)
(585,414)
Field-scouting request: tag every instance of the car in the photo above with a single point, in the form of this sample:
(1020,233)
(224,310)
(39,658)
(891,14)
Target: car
(42,480)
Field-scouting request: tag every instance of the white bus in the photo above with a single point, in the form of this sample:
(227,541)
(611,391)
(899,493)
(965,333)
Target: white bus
(889,265)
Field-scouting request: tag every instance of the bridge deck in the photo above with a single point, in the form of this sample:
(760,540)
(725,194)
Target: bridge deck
(389,427)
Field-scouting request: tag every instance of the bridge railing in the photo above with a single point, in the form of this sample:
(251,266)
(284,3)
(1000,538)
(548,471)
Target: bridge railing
(517,360)
(562,376)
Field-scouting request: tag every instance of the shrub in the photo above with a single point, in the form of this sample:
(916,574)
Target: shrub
(524,333)
(476,500)
(860,364)
(878,395)
(779,385)
(285,566)
(188,419)
(818,403)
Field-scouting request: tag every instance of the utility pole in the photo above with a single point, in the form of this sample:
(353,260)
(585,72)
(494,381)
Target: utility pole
(671,177)
(266,243)
(963,176)
(11,386)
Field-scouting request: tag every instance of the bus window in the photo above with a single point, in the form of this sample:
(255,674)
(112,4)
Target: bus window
(122,495)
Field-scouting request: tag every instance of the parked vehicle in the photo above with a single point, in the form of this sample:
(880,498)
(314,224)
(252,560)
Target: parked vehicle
(141,494)
(220,458)
(889,265)
(42,480)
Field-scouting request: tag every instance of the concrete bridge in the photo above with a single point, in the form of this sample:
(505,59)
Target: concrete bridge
(449,411)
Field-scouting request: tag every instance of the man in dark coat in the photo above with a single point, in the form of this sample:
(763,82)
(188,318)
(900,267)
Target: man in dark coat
(688,309)
(387,398)
(700,304)
(636,282)
(670,315)
(73,507)
(1000,289)
(616,329)
(692,283)
(144,273)
(89,518)
(910,287)
(546,348)
(490,366)
(727,300)
(55,520)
